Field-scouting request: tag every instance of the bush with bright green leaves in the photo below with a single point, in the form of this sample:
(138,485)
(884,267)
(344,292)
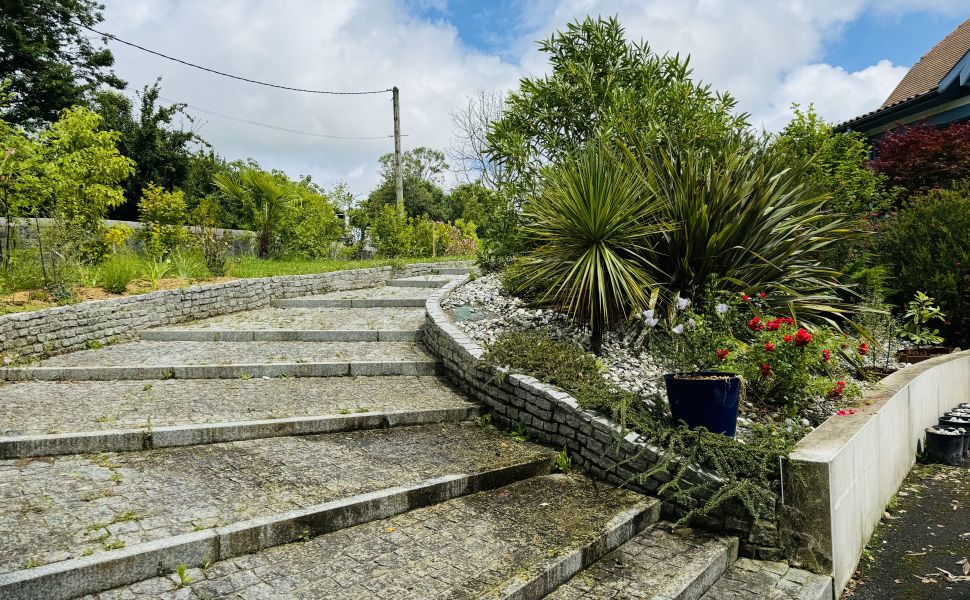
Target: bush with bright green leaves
(310,227)
(926,245)
(163,213)
(392,234)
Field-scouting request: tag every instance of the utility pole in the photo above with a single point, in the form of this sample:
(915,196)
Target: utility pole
(398,177)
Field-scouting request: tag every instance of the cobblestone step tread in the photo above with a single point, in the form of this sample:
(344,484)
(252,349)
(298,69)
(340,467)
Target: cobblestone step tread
(61,508)
(751,579)
(52,407)
(422,281)
(305,319)
(379,292)
(659,563)
(512,542)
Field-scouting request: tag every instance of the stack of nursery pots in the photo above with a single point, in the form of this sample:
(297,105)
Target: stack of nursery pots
(949,441)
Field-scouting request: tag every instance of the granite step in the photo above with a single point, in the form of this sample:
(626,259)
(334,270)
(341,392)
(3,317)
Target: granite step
(374,297)
(82,524)
(751,579)
(216,360)
(274,324)
(419,281)
(660,563)
(519,541)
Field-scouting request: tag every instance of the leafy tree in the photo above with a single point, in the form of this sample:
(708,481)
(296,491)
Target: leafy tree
(420,163)
(266,198)
(597,81)
(469,150)
(48,58)
(21,184)
(161,152)
(923,158)
(838,163)
(473,202)
(422,170)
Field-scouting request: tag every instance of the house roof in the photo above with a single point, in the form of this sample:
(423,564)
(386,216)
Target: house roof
(925,75)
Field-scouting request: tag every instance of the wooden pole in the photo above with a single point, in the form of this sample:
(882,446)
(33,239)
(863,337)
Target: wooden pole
(398,177)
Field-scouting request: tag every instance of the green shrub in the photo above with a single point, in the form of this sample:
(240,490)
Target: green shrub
(22,272)
(311,227)
(392,234)
(591,223)
(155,269)
(163,214)
(927,248)
(189,264)
(117,271)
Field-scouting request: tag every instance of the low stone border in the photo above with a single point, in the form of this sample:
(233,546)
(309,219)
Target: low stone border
(72,327)
(595,443)
(107,570)
(131,440)
(841,476)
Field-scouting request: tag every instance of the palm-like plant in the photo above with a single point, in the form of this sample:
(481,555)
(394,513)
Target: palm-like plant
(593,223)
(743,217)
(265,197)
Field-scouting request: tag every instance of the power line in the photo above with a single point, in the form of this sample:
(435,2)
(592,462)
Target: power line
(275,127)
(246,79)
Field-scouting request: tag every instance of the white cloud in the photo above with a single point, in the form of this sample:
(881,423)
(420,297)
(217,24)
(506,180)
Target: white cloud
(765,52)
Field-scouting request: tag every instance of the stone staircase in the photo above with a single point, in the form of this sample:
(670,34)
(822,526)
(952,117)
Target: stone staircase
(310,450)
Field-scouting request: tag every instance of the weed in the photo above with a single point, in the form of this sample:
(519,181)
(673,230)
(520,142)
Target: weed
(105,419)
(245,376)
(168,374)
(116,477)
(147,387)
(87,552)
(563,462)
(484,420)
(93,344)
(305,535)
(103,460)
(113,545)
(520,433)
(344,411)
(183,574)
(32,563)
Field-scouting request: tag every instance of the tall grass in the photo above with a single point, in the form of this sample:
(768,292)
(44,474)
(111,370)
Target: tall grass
(117,271)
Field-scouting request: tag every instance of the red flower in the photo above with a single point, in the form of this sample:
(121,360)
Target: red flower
(863,348)
(769,346)
(765,370)
(745,297)
(722,353)
(837,390)
(773,325)
(788,338)
(826,355)
(789,320)
(762,295)
(754,324)
(802,337)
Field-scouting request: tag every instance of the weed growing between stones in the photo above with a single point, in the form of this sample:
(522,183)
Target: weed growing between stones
(182,572)
(520,433)
(563,462)
(747,471)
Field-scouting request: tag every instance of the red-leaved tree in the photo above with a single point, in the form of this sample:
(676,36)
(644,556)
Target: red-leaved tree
(923,158)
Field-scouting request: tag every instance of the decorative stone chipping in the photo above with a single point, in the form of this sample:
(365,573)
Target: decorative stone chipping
(67,328)
(595,444)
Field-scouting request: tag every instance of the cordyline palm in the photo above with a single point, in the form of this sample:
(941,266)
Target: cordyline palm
(592,222)
(743,217)
(266,199)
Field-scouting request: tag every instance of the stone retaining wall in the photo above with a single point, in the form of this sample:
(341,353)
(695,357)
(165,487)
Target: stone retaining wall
(594,443)
(73,327)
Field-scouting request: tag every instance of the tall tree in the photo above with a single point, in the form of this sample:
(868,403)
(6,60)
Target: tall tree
(161,150)
(597,82)
(469,149)
(49,60)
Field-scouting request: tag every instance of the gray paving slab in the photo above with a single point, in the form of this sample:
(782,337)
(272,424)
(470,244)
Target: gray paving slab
(273,318)
(55,509)
(486,545)
(659,563)
(379,292)
(764,580)
(45,407)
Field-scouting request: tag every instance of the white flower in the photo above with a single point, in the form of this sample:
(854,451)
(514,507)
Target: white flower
(691,323)
(682,303)
(721,308)
(679,329)
(648,314)
(652,322)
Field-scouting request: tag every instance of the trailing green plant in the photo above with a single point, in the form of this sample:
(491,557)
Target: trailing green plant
(920,312)
(592,224)
(747,471)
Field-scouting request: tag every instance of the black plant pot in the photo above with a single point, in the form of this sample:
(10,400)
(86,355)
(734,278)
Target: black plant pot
(958,423)
(707,399)
(945,445)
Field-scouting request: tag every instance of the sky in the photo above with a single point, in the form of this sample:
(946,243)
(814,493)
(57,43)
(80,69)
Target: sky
(845,56)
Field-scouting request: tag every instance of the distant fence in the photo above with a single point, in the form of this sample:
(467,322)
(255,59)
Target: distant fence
(25,233)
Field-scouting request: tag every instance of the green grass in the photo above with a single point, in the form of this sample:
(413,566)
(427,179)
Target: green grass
(248,267)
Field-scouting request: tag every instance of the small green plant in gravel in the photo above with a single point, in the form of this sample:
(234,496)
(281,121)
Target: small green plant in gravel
(113,545)
(563,462)
(32,563)
(485,420)
(520,433)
